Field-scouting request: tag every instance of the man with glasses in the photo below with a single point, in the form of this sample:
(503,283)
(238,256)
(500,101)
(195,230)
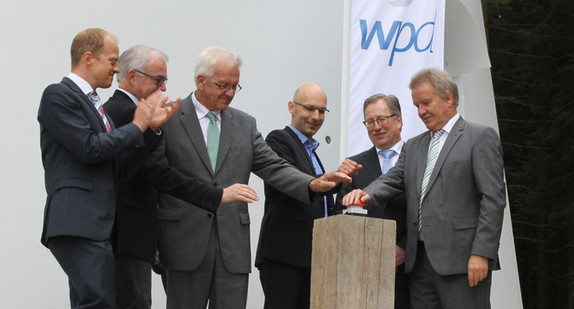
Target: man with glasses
(81,147)
(143,70)
(384,122)
(285,242)
(207,256)
(452,176)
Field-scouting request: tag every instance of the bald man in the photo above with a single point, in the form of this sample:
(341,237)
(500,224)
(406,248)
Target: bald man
(284,250)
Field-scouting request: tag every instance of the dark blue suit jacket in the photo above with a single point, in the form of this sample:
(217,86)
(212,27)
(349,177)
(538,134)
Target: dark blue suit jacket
(79,163)
(287,227)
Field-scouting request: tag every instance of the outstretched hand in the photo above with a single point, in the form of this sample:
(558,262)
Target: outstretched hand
(328,181)
(353,197)
(239,192)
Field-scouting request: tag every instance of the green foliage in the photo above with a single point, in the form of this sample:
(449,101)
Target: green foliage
(531,46)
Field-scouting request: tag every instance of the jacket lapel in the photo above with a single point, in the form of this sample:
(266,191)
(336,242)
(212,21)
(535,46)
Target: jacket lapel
(302,149)
(421,158)
(225,138)
(88,103)
(190,124)
(372,164)
(451,140)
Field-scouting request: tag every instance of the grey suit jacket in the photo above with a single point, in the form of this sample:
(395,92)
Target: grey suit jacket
(464,204)
(184,231)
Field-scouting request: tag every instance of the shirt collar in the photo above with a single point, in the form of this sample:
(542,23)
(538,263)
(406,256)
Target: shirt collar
(448,126)
(309,143)
(133,97)
(396,147)
(80,82)
(201,110)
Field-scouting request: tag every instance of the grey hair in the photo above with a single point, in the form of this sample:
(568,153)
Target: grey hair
(440,80)
(211,56)
(136,58)
(391,100)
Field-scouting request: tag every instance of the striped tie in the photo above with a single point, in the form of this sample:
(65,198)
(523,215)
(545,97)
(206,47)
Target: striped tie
(100,107)
(431,160)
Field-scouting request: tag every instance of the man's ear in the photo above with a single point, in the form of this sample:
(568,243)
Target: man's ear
(400,120)
(200,81)
(450,99)
(88,58)
(291,107)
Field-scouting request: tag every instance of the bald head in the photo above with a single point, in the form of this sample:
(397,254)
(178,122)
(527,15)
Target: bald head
(309,90)
(308,109)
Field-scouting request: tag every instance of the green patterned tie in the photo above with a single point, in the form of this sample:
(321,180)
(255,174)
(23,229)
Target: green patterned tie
(212,139)
(432,155)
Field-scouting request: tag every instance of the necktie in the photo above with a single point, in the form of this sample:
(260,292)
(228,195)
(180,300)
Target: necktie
(387,154)
(311,145)
(212,139)
(100,107)
(431,160)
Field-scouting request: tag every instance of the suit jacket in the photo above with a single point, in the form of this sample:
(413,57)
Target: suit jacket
(185,231)
(148,170)
(287,227)
(395,209)
(464,204)
(78,158)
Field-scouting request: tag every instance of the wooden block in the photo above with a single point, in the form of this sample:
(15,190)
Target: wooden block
(353,263)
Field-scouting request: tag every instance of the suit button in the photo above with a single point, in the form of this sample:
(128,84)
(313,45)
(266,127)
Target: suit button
(209,216)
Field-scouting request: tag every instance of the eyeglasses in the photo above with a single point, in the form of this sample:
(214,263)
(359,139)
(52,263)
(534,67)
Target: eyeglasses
(369,123)
(312,109)
(159,80)
(224,88)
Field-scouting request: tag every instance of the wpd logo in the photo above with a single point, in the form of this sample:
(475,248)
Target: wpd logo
(402,35)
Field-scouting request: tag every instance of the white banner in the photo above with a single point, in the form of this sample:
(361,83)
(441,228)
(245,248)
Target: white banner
(390,41)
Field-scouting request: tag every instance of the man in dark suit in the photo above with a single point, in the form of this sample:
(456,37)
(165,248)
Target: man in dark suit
(452,176)
(79,145)
(207,256)
(143,70)
(384,122)
(285,242)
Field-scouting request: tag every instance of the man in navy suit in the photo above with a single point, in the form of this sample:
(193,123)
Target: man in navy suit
(143,70)
(384,122)
(79,146)
(285,242)
(452,176)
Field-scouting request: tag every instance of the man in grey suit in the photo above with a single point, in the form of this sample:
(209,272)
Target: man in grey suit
(452,176)
(80,147)
(143,70)
(207,256)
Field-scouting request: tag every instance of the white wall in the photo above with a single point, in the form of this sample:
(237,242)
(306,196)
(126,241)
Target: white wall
(283,44)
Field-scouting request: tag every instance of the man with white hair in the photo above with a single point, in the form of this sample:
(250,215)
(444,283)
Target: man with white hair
(207,256)
(143,70)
